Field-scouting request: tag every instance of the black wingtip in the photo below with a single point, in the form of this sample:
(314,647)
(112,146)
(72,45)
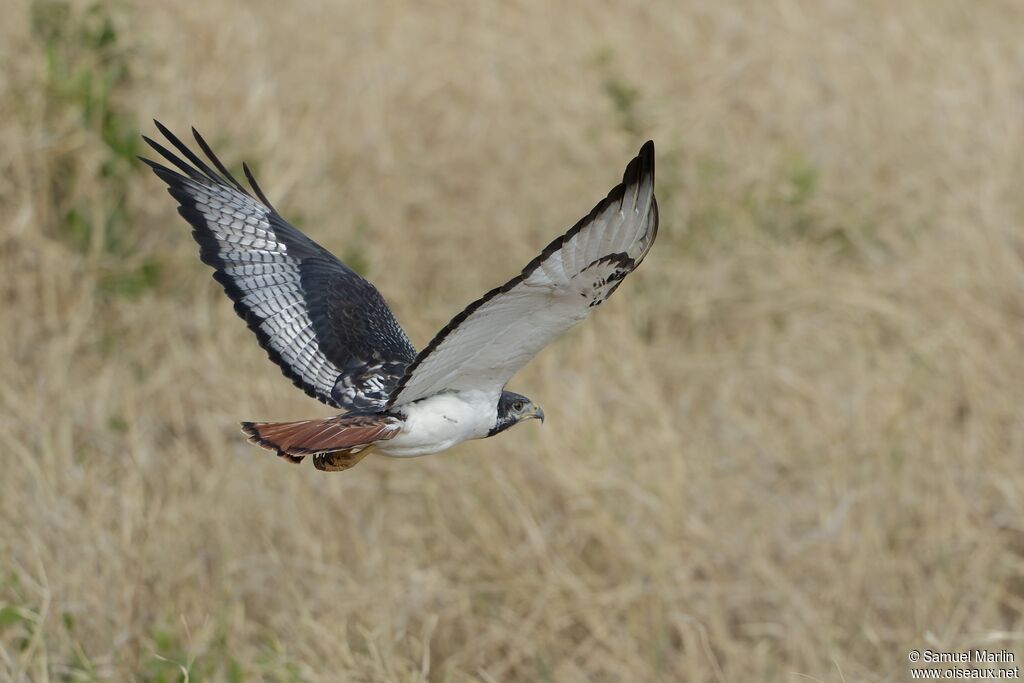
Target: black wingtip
(203,167)
(646,156)
(639,167)
(172,158)
(208,151)
(256,187)
(164,130)
(201,170)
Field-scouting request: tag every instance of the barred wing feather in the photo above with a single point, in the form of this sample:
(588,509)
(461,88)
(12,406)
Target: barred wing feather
(329,330)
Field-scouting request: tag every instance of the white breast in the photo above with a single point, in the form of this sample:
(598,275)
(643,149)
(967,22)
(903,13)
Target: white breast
(439,422)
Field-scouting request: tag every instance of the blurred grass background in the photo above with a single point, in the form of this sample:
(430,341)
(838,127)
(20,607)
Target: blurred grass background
(789,449)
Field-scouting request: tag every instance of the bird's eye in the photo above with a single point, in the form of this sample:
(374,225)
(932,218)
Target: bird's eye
(518,406)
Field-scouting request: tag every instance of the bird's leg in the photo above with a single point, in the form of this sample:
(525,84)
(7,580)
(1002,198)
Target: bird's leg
(337,461)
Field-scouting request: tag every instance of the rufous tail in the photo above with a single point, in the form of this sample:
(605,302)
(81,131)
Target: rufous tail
(336,443)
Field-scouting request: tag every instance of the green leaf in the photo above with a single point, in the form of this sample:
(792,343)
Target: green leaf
(10,615)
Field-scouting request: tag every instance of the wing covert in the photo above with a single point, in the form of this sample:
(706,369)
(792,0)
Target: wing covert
(489,341)
(329,330)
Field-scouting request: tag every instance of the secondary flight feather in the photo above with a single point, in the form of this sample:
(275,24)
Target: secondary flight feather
(331,332)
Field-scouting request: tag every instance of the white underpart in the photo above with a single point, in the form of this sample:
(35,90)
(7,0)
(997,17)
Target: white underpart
(442,421)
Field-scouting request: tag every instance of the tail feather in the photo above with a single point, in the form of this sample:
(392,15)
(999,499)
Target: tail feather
(336,443)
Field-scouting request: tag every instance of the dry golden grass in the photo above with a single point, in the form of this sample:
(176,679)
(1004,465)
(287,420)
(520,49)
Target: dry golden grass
(790,448)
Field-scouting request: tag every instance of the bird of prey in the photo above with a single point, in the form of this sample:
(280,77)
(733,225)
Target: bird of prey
(333,335)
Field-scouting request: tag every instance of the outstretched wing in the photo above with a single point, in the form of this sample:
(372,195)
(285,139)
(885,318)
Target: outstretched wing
(329,330)
(482,347)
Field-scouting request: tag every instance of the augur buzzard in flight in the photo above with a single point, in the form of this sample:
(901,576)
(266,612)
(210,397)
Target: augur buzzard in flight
(333,335)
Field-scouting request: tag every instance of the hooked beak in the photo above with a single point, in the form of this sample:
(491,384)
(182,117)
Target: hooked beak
(538,414)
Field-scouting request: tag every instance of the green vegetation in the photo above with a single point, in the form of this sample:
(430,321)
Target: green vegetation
(88,68)
(622,95)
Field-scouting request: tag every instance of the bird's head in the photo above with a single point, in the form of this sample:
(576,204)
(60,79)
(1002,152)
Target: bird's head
(512,409)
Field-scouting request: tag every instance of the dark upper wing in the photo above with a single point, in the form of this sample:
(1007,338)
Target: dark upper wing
(482,347)
(329,329)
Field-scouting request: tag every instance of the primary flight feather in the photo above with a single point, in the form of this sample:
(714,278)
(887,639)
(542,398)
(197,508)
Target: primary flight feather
(333,335)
